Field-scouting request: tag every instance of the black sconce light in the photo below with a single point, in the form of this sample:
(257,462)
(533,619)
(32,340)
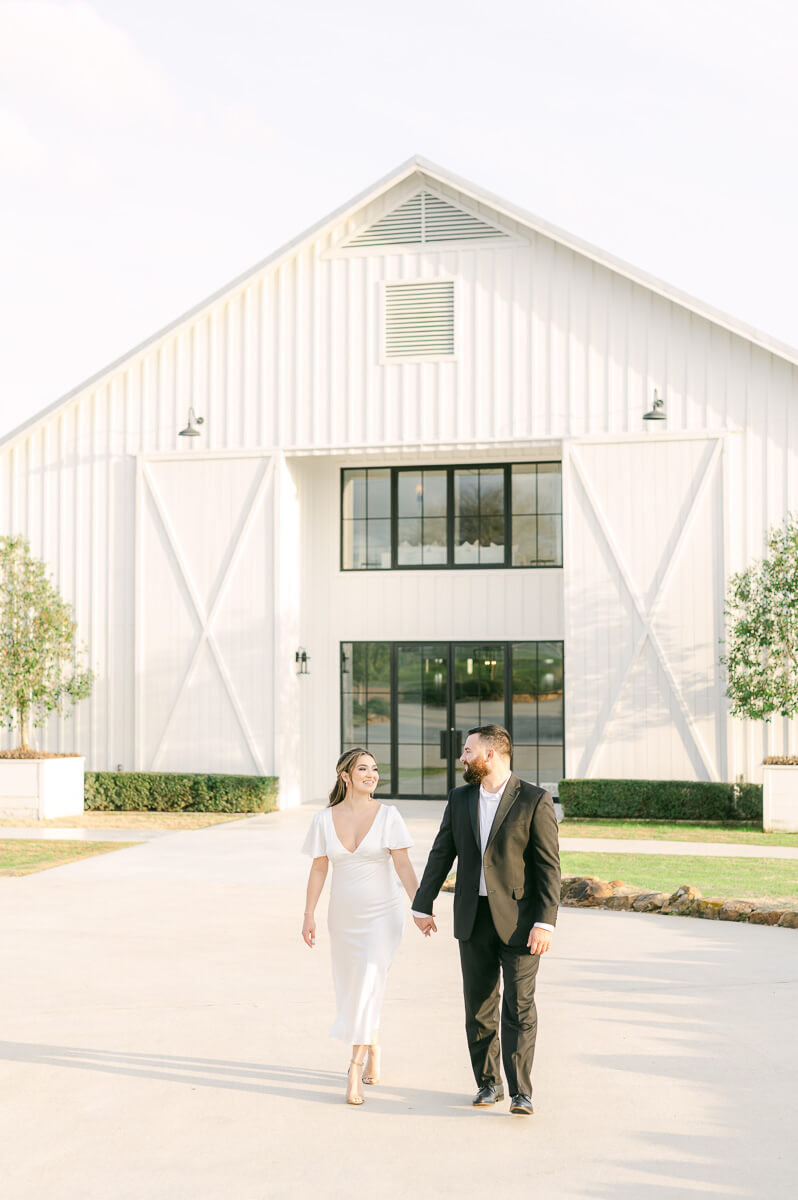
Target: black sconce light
(193,421)
(301,659)
(657,410)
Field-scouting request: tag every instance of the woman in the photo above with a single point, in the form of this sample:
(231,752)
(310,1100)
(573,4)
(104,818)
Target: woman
(367,844)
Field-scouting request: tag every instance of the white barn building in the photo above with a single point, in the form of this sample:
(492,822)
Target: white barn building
(423,461)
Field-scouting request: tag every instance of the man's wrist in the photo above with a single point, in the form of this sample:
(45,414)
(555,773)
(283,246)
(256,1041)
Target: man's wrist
(414,913)
(543,925)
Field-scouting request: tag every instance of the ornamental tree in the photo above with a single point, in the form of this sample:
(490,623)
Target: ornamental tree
(762,630)
(39,657)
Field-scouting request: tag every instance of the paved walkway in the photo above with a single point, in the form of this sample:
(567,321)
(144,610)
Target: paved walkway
(164,1036)
(65,834)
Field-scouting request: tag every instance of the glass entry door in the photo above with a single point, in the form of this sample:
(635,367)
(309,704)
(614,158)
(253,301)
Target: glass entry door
(412,703)
(422,720)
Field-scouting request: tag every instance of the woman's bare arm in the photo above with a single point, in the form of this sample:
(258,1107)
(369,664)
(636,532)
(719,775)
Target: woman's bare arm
(404,869)
(318,873)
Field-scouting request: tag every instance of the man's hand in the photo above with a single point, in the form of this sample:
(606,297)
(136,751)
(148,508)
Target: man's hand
(539,941)
(426,925)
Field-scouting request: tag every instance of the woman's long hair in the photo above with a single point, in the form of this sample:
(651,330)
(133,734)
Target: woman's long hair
(345,763)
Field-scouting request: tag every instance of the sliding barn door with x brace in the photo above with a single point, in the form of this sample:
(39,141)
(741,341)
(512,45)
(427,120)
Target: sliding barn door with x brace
(204,623)
(644,587)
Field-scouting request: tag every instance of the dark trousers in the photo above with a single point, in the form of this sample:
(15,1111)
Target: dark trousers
(482,957)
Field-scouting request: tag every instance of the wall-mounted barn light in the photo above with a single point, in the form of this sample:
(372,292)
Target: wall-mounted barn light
(657,410)
(302,660)
(193,421)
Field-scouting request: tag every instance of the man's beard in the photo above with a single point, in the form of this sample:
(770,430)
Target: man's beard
(475,771)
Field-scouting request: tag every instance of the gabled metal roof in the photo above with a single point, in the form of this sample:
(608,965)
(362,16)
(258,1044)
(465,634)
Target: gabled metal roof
(480,195)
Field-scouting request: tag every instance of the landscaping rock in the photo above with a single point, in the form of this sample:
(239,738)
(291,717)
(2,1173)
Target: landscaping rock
(682,900)
(570,881)
(588,893)
(736,910)
(648,902)
(766,916)
(622,897)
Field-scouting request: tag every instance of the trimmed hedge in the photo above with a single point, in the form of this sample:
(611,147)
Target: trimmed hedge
(167,792)
(661,800)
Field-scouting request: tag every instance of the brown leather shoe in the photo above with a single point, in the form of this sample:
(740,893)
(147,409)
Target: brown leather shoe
(489,1093)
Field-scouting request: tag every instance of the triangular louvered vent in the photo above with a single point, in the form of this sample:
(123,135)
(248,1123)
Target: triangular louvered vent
(419,319)
(421,219)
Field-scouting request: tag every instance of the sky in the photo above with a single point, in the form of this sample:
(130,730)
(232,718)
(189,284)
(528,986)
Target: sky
(151,152)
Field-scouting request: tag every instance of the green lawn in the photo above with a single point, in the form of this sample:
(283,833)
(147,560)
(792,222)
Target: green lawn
(769,879)
(22,856)
(751,835)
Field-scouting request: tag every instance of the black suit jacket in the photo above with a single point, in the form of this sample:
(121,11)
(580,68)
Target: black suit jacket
(522,861)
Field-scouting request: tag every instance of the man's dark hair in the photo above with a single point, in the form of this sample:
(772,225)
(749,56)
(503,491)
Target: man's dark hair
(495,736)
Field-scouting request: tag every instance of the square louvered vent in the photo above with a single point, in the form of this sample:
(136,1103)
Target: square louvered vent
(419,319)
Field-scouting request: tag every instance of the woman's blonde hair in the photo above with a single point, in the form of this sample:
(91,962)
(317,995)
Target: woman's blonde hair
(345,763)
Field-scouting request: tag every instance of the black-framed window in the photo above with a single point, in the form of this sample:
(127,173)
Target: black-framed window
(481,515)
(536,514)
(366,518)
(411,704)
(422,505)
(366,703)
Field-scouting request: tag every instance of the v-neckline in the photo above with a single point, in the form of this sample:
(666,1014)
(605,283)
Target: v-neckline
(365,835)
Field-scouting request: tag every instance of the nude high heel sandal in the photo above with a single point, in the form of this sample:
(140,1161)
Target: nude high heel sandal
(355,1097)
(373,1075)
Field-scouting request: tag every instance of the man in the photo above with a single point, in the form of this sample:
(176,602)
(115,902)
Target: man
(503,833)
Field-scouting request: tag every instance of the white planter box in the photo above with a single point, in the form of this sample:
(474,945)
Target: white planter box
(41,787)
(780,798)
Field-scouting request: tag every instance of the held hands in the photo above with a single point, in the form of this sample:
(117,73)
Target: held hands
(426,925)
(309,931)
(539,941)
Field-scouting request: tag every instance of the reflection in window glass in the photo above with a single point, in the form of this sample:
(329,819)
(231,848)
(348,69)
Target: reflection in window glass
(365,519)
(537,515)
(366,702)
(479,515)
(421,718)
(421,523)
(478,685)
(423,532)
(549,487)
(537,712)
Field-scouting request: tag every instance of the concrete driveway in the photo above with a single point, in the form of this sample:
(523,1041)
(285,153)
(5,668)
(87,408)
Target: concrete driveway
(164,1035)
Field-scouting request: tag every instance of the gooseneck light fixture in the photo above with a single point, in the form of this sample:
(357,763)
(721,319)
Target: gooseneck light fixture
(193,421)
(657,410)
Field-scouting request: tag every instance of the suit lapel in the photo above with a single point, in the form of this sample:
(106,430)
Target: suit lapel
(509,797)
(473,810)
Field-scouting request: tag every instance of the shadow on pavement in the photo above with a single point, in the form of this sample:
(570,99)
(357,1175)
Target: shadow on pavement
(714,1019)
(268,1079)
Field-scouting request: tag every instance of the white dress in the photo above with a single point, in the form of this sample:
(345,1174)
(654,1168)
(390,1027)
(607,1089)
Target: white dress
(366,917)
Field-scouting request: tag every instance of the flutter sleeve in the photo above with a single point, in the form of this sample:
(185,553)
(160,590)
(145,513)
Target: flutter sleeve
(397,836)
(315,844)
